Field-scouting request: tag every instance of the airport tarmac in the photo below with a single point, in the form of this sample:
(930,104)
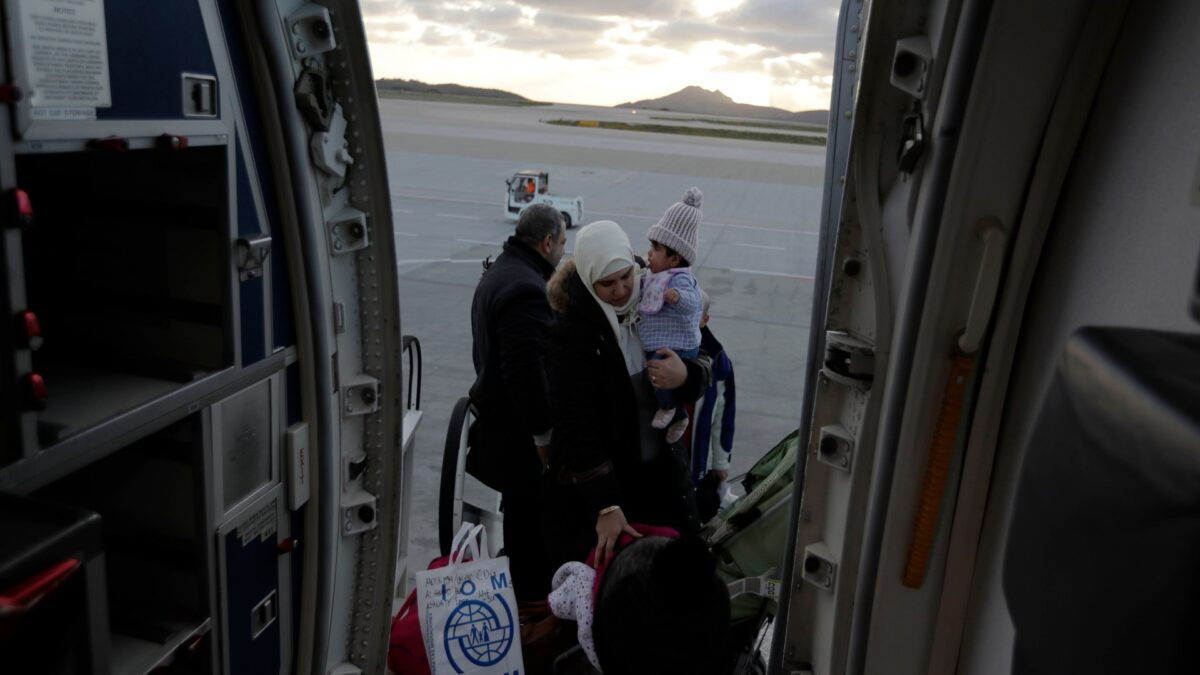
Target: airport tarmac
(447,165)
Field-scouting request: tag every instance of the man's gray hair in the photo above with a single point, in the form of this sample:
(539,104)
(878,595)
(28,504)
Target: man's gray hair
(538,222)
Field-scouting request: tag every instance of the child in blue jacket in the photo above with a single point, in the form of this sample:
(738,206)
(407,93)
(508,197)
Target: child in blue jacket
(712,435)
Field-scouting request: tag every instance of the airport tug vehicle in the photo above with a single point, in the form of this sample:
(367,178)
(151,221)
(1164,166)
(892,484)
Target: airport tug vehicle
(530,186)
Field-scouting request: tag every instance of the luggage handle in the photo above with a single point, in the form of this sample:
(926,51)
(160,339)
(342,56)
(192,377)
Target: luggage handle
(463,530)
(470,539)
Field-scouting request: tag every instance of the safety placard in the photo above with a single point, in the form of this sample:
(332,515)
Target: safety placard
(260,526)
(65,57)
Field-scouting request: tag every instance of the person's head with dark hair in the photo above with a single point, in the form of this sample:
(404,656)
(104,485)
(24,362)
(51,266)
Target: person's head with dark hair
(662,609)
(661,257)
(540,227)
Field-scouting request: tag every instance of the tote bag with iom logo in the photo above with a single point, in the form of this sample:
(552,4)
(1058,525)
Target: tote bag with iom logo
(468,610)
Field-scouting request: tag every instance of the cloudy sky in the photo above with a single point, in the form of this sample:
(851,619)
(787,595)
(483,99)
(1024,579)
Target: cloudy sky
(605,52)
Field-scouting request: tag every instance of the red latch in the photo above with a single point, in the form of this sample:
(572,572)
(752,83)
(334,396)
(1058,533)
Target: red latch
(113,143)
(22,597)
(29,330)
(19,208)
(36,393)
(172,142)
(11,92)
(287,545)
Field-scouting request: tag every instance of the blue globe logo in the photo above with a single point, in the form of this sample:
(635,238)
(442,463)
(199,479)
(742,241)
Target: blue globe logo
(477,632)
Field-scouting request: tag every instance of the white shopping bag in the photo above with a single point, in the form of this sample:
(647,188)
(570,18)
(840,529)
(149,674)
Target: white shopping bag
(468,611)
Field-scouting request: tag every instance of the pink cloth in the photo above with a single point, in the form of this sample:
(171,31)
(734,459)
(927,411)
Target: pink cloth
(572,600)
(654,289)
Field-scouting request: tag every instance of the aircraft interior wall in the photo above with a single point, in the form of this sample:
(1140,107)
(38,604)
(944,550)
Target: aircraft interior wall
(1121,251)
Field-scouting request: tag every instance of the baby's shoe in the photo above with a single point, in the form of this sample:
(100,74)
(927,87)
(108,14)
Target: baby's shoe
(662,418)
(675,431)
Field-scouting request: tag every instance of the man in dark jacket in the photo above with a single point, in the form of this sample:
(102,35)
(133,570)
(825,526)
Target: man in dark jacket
(509,321)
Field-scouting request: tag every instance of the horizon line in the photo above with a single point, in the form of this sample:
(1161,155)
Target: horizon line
(600,105)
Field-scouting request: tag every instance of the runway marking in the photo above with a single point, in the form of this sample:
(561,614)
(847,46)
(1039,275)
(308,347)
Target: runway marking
(406,234)
(802,277)
(440,199)
(455,215)
(759,228)
(480,241)
(401,210)
(426,261)
(769,248)
(768,229)
(455,200)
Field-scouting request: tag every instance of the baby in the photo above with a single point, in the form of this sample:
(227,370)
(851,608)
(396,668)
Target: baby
(671,304)
(655,606)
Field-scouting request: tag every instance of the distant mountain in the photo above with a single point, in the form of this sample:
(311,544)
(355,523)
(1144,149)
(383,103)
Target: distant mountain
(413,86)
(700,101)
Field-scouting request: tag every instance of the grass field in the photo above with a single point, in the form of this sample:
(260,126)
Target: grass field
(695,131)
(786,126)
(450,98)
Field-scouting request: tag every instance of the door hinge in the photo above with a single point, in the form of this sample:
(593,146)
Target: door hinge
(250,255)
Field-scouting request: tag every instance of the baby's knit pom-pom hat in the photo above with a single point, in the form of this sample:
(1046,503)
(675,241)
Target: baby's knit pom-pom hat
(679,227)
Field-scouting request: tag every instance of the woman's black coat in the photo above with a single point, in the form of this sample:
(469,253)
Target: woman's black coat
(597,447)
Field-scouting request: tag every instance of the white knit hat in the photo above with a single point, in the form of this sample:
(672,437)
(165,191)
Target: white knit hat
(679,227)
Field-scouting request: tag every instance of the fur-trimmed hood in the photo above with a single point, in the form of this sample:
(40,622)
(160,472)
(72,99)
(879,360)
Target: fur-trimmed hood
(557,289)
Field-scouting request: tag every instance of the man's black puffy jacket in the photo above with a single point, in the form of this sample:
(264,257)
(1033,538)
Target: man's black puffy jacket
(510,318)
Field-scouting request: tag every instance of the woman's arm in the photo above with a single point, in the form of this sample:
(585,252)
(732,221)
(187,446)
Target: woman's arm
(578,453)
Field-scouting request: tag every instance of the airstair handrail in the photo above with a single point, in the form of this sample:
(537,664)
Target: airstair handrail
(411,345)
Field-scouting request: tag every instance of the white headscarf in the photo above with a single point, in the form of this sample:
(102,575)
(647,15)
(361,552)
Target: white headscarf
(601,248)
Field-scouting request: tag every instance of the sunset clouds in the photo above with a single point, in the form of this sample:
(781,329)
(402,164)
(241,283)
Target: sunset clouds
(764,52)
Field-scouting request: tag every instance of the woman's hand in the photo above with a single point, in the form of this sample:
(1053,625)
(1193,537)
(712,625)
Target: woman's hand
(608,529)
(669,372)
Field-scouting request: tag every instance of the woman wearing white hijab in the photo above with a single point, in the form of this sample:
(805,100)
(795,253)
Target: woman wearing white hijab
(608,467)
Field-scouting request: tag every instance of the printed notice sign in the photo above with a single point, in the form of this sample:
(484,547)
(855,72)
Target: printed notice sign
(65,56)
(260,526)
